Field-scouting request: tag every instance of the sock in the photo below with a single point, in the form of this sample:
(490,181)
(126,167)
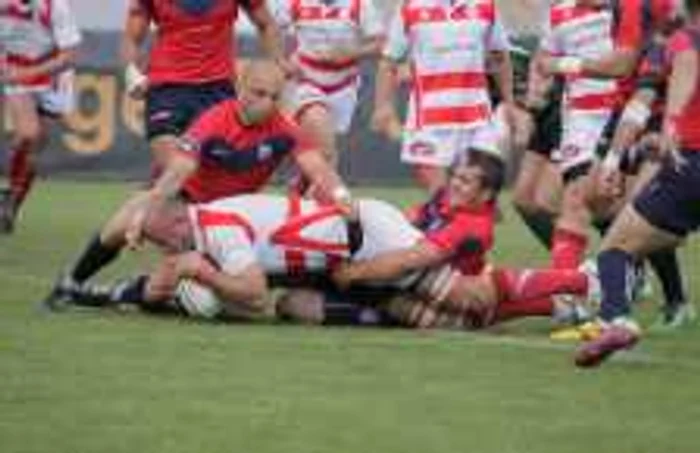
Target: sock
(21,175)
(665,265)
(616,269)
(534,285)
(602,226)
(95,256)
(568,249)
(510,309)
(540,224)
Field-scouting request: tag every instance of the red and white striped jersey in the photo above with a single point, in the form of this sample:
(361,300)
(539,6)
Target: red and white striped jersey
(289,235)
(320,27)
(446,43)
(32,32)
(584,32)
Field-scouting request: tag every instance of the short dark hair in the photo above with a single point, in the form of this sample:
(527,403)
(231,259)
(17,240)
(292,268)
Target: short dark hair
(492,167)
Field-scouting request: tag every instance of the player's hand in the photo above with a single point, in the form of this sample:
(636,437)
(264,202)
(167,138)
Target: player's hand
(344,276)
(611,180)
(336,55)
(193,265)
(564,66)
(385,121)
(289,66)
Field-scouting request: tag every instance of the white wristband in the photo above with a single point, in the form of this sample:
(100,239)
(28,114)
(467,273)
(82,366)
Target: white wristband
(611,161)
(134,78)
(342,195)
(636,113)
(567,65)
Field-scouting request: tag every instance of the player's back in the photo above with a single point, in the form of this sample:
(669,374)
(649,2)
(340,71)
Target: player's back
(287,234)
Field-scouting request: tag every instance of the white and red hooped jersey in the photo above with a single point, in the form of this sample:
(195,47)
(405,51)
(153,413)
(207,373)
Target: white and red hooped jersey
(319,27)
(32,32)
(289,235)
(446,43)
(587,33)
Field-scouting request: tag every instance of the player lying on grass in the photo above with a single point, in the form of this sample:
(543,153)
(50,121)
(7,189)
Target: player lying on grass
(233,148)
(242,242)
(666,210)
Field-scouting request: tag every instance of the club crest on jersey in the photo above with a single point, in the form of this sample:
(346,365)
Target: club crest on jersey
(264,151)
(196,7)
(422,148)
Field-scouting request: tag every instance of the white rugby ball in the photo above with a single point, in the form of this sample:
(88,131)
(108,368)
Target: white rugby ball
(198,300)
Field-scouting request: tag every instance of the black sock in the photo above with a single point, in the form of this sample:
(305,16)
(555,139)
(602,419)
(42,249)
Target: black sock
(616,270)
(666,267)
(540,223)
(95,256)
(131,291)
(602,226)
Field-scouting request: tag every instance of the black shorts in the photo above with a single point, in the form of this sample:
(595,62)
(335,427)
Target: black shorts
(171,108)
(547,134)
(671,201)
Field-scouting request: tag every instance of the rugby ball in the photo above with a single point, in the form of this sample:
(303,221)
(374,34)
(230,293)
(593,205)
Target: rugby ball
(198,300)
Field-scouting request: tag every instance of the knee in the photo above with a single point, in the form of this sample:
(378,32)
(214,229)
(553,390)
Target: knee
(28,135)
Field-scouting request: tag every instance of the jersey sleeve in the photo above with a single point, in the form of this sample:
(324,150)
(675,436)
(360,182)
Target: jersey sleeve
(629,34)
(282,12)
(231,248)
(396,46)
(463,229)
(370,19)
(211,124)
(498,37)
(65,28)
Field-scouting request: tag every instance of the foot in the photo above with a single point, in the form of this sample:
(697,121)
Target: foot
(675,316)
(7,212)
(621,334)
(61,294)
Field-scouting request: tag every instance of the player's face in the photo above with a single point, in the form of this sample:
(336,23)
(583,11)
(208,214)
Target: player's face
(260,96)
(466,188)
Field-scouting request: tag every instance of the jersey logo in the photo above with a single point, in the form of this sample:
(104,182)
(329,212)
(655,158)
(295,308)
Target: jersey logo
(422,148)
(265,151)
(196,7)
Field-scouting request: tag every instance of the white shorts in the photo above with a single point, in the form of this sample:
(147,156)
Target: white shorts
(581,133)
(340,104)
(57,99)
(442,147)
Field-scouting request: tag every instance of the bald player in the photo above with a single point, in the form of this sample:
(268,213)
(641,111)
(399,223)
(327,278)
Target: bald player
(231,149)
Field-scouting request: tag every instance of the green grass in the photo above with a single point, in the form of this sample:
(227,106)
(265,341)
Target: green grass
(107,382)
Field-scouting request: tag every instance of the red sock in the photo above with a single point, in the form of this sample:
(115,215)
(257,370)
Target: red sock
(537,284)
(21,174)
(510,309)
(568,249)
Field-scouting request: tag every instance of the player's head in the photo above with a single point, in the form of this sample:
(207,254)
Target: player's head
(168,225)
(260,90)
(477,180)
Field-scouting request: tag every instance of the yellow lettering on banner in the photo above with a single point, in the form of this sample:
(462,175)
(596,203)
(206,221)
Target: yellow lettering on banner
(91,130)
(133,112)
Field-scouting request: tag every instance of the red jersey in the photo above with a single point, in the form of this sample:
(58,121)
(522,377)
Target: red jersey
(235,158)
(194,42)
(688,124)
(466,234)
(636,22)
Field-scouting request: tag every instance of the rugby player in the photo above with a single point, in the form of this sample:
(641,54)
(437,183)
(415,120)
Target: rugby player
(192,61)
(332,38)
(231,149)
(666,210)
(38,48)
(448,47)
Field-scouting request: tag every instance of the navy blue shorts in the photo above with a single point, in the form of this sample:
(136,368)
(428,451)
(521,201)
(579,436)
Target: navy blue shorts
(671,201)
(171,108)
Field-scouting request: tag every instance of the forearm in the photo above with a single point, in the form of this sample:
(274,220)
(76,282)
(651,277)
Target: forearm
(236,290)
(391,265)
(617,64)
(386,83)
(173,178)
(504,75)
(370,48)
(64,60)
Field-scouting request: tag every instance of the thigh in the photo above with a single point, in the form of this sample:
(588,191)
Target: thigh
(633,233)
(24,114)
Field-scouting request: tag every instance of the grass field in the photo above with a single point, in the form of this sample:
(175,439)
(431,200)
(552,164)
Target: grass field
(85,381)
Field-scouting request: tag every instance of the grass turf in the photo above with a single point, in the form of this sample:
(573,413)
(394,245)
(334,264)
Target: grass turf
(87,381)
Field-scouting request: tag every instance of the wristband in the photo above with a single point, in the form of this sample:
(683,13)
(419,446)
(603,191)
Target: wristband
(341,195)
(636,113)
(133,78)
